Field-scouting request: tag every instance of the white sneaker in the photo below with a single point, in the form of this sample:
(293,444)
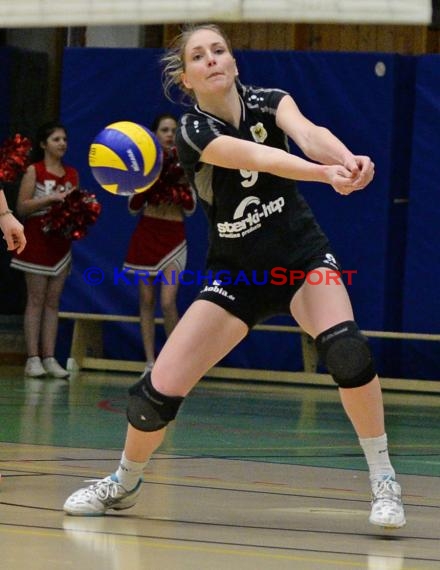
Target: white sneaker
(53,369)
(34,368)
(103,495)
(386,505)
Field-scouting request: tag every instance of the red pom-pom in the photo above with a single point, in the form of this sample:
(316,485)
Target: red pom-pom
(72,217)
(171,187)
(14,157)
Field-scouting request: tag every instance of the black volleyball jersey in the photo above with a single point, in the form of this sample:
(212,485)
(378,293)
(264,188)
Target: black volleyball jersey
(257,220)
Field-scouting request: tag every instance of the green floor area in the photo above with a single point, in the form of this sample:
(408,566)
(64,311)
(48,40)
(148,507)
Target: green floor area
(259,422)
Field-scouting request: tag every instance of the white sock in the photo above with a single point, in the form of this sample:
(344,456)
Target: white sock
(376,454)
(129,472)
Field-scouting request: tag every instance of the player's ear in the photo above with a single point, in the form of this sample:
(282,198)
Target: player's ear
(184,80)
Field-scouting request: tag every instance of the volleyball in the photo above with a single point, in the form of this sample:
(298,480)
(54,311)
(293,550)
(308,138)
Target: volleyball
(125,158)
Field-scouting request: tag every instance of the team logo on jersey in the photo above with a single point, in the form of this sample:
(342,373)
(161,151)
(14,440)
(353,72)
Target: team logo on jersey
(259,133)
(249,216)
(239,211)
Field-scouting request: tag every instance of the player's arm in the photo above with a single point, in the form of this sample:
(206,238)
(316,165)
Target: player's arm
(12,229)
(237,154)
(319,144)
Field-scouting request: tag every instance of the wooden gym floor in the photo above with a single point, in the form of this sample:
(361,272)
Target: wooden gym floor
(251,476)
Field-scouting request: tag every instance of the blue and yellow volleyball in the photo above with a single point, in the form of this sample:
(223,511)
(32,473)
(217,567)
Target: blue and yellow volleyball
(125,158)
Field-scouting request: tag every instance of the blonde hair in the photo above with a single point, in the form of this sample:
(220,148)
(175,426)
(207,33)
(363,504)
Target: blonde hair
(174,59)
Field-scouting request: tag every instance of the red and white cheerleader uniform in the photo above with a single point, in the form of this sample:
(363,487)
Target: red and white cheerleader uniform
(156,243)
(45,253)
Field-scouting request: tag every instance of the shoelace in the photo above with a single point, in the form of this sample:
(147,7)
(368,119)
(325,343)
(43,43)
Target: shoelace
(104,488)
(385,491)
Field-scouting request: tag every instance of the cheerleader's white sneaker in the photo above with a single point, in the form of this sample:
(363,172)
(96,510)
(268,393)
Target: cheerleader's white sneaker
(34,368)
(53,369)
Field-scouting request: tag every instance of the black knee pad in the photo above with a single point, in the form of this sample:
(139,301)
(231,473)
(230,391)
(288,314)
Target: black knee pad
(346,354)
(148,409)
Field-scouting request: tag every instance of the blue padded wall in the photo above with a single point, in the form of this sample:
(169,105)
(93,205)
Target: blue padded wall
(421,308)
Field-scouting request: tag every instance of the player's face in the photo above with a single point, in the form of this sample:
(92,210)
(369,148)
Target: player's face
(56,143)
(166,132)
(209,65)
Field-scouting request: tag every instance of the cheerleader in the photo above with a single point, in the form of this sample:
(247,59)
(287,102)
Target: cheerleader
(47,258)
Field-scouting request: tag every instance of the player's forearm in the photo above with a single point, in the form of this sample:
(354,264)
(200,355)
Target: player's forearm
(286,165)
(323,146)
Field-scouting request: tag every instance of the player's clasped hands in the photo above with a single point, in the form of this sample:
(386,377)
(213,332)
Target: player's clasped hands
(355,175)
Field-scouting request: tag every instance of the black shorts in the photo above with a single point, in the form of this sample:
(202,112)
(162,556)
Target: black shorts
(254,297)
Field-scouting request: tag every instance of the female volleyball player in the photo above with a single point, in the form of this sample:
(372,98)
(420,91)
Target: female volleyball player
(232,145)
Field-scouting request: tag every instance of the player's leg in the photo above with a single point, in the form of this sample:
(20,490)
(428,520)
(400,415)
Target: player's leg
(204,335)
(324,311)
